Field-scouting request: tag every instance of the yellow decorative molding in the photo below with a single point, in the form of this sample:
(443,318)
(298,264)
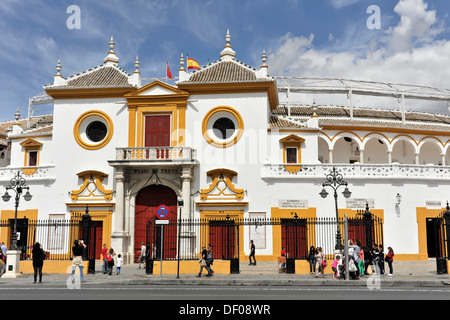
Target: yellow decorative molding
(92,188)
(222,187)
(292,169)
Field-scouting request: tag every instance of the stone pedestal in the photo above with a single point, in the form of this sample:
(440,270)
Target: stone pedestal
(12,264)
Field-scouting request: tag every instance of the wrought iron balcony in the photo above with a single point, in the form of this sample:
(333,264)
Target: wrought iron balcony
(156,154)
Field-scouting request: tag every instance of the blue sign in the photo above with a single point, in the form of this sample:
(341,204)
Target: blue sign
(162,212)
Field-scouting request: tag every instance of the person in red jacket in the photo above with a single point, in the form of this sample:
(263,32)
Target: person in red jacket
(105,259)
(390,260)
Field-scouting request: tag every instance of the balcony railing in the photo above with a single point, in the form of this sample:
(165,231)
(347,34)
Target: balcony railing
(360,171)
(39,173)
(177,154)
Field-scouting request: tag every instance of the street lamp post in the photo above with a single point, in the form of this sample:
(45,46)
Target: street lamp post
(335,180)
(17,184)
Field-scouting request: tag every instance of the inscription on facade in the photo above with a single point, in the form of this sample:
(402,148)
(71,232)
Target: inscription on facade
(292,204)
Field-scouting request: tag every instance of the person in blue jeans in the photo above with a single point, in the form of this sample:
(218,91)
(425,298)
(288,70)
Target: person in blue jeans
(209,261)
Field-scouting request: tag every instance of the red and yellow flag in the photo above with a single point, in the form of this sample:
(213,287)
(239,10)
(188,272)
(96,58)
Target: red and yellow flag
(192,64)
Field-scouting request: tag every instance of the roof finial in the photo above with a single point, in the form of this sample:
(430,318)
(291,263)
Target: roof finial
(264,58)
(58,67)
(17,115)
(111,58)
(137,64)
(228,37)
(182,62)
(227,52)
(112,44)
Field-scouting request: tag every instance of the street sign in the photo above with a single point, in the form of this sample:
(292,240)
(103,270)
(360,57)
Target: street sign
(162,212)
(162,222)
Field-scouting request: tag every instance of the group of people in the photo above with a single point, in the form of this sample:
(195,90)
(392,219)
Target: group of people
(206,261)
(108,260)
(360,258)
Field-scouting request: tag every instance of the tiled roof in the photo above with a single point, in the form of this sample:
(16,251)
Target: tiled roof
(335,115)
(225,72)
(44,122)
(283,123)
(362,113)
(104,76)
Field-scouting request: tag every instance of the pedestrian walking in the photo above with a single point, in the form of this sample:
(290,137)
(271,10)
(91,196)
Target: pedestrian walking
(252,253)
(119,262)
(142,255)
(77,261)
(312,260)
(381,259)
(320,257)
(38,261)
(335,266)
(111,255)
(390,260)
(203,257)
(209,261)
(2,264)
(105,259)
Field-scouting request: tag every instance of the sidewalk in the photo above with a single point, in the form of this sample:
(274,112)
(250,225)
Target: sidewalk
(406,274)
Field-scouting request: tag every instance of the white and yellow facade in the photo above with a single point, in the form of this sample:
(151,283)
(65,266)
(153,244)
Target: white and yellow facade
(220,140)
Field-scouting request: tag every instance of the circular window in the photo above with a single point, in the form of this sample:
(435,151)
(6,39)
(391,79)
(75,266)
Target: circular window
(222,126)
(93,130)
(96,131)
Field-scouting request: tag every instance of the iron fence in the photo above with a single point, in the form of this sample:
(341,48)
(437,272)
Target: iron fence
(225,236)
(56,236)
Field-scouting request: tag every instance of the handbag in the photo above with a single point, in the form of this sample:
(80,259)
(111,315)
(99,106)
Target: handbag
(324,263)
(203,263)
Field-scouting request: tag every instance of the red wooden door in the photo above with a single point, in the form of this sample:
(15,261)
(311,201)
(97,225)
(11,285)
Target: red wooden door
(157,131)
(147,201)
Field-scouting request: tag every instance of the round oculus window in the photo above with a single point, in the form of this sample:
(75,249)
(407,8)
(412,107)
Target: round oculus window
(93,130)
(224,128)
(96,131)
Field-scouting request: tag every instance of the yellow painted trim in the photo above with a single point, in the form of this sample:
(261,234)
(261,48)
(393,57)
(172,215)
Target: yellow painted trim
(422,213)
(84,116)
(223,214)
(90,178)
(292,141)
(31,145)
(31,214)
(221,175)
(100,215)
(278,213)
(189,267)
(51,267)
(231,142)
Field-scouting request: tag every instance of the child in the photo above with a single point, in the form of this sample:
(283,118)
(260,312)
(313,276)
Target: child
(334,266)
(119,264)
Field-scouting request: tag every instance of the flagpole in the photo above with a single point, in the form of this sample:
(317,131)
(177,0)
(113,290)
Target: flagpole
(167,63)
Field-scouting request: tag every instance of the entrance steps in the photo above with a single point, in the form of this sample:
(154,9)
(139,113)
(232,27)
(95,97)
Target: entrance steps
(263,267)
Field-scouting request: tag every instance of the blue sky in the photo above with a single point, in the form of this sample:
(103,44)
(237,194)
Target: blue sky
(322,38)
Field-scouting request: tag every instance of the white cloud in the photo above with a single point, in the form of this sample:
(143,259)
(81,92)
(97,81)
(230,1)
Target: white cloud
(408,53)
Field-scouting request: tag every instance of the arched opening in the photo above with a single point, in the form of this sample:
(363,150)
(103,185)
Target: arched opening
(323,152)
(346,150)
(147,202)
(375,151)
(403,152)
(430,153)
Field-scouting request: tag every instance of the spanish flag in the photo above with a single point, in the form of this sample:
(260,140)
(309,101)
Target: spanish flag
(192,64)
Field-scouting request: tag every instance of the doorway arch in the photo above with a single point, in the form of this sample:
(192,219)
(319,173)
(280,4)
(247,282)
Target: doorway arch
(147,201)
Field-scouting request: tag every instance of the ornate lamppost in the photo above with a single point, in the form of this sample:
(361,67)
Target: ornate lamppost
(335,180)
(17,184)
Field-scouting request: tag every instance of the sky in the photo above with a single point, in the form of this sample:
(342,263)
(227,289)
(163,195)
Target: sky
(399,41)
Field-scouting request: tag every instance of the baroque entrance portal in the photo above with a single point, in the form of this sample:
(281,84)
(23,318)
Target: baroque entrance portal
(147,201)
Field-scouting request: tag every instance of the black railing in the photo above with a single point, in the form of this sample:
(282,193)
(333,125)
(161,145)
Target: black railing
(56,236)
(297,235)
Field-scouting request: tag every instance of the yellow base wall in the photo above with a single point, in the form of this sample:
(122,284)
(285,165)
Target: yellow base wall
(189,267)
(65,266)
